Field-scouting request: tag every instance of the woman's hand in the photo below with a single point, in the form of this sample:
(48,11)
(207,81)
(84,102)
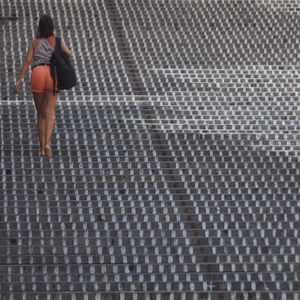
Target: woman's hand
(25,67)
(17,88)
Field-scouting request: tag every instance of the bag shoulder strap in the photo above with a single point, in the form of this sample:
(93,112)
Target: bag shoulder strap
(57,44)
(52,64)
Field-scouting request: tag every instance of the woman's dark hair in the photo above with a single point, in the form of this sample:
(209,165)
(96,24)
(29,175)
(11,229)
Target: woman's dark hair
(46,27)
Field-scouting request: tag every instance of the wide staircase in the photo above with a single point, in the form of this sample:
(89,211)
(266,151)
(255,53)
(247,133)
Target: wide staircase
(175,171)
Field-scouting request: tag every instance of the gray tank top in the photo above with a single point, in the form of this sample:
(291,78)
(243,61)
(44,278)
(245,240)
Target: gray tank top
(42,53)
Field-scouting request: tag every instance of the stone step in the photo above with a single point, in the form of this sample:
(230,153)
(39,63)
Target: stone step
(175,172)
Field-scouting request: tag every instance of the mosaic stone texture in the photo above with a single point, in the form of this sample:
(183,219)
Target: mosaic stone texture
(175,170)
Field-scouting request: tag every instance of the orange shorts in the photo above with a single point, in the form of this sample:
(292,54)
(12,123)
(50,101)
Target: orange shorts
(41,80)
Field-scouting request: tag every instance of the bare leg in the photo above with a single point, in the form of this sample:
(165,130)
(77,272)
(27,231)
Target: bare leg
(39,101)
(50,103)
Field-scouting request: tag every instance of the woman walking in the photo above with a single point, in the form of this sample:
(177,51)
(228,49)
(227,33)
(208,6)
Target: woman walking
(38,55)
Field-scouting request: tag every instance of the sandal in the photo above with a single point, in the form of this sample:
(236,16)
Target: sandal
(48,151)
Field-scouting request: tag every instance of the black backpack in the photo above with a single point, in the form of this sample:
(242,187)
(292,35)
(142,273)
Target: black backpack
(65,74)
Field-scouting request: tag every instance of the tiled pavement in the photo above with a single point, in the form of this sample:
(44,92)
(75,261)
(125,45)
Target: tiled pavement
(175,172)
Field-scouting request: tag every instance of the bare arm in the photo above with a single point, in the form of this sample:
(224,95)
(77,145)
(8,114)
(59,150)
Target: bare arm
(66,49)
(25,66)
